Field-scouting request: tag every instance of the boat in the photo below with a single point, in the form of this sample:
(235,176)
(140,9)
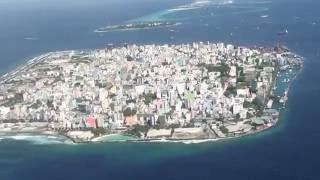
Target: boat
(283,33)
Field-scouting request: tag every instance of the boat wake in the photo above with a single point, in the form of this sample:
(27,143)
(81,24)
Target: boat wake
(264,16)
(30,38)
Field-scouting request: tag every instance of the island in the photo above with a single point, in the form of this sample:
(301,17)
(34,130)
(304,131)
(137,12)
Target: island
(136,26)
(195,91)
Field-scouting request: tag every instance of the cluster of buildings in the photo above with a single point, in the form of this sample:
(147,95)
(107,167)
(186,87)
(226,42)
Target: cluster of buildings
(198,85)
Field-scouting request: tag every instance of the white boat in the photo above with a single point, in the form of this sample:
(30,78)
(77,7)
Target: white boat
(282,33)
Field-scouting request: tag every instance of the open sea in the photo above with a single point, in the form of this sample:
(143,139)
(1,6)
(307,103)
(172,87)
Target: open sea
(289,151)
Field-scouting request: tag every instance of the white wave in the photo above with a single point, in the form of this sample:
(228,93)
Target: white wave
(191,6)
(52,137)
(38,139)
(191,141)
(182,9)
(199,141)
(228,2)
(17,137)
(201,2)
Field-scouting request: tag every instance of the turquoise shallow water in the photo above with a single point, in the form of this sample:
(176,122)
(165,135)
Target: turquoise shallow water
(290,151)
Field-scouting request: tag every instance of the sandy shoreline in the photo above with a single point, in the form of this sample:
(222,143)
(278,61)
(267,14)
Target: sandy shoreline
(6,133)
(34,131)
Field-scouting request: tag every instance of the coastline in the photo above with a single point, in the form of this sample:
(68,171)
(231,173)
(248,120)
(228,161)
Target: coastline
(45,131)
(99,139)
(29,64)
(40,136)
(204,140)
(119,28)
(197,140)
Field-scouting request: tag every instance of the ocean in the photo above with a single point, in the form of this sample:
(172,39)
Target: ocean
(289,151)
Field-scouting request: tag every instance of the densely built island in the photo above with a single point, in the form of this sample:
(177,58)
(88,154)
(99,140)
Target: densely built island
(151,92)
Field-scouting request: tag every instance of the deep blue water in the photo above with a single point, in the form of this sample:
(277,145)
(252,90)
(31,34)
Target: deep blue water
(289,151)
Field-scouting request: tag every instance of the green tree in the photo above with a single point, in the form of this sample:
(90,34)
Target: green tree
(224,130)
(149,97)
(138,130)
(129,112)
(231,90)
